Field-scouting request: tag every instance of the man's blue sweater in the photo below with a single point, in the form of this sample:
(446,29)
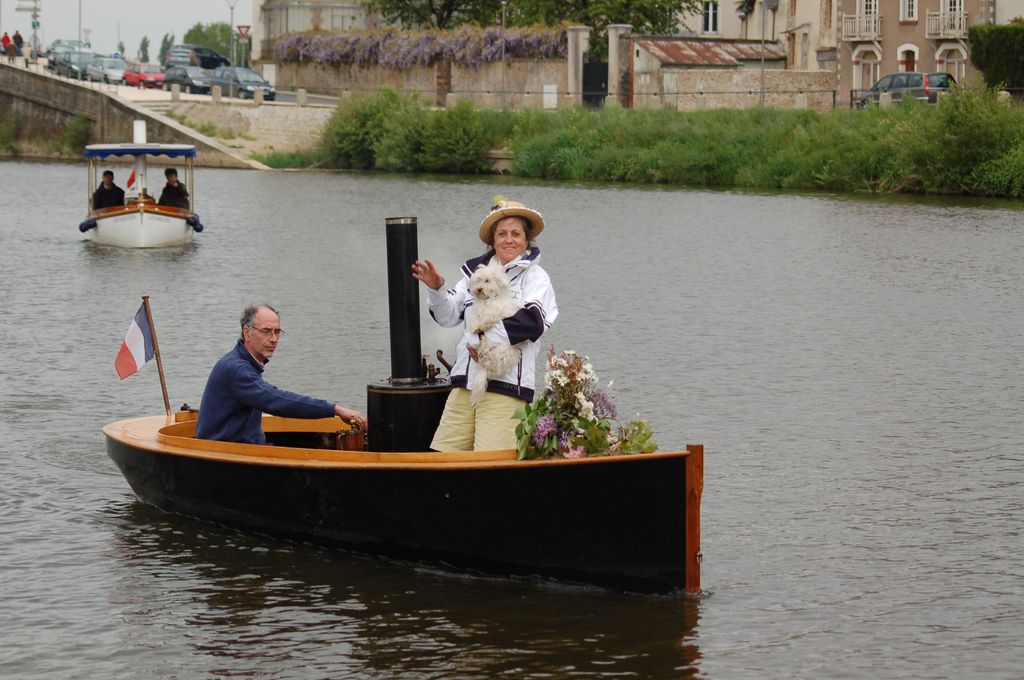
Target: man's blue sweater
(236,397)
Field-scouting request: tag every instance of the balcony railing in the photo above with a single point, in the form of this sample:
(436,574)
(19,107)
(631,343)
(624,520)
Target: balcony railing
(862,27)
(945,25)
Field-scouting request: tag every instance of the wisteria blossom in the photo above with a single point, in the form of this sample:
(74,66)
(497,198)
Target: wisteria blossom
(469,46)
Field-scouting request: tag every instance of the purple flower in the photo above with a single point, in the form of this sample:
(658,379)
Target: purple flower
(545,426)
(467,46)
(603,406)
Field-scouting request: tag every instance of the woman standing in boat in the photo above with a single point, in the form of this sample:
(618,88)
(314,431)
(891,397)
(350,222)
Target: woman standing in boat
(508,231)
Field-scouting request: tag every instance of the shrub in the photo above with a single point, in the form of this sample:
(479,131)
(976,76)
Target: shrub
(614,164)
(354,129)
(499,126)
(290,159)
(453,141)
(1002,176)
(998,52)
(76,134)
(971,128)
(401,141)
(10,128)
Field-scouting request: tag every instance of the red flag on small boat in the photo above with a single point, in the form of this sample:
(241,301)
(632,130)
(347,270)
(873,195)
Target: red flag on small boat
(131,179)
(138,347)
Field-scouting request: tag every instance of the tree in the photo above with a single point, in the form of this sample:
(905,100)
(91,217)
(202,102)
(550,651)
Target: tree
(121,50)
(442,14)
(165,45)
(998,52)
(216,36)
(144,49)
(645,16)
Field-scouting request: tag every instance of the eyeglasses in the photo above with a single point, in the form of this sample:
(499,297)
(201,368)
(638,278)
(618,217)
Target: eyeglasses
(276,332)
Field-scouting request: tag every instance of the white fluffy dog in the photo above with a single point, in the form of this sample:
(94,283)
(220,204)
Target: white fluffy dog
(492,302)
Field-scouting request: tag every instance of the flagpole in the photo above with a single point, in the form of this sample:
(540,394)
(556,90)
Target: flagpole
(156,352)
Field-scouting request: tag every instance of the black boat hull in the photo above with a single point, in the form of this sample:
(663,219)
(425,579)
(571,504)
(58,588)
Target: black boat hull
(618,523)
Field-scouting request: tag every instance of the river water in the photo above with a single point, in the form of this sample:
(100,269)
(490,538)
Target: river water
(852,366)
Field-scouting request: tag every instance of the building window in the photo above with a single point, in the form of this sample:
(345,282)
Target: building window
(908,10)
(868,7)
(709,20)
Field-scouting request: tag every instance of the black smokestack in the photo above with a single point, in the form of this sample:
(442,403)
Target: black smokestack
(405,409)
(403,301)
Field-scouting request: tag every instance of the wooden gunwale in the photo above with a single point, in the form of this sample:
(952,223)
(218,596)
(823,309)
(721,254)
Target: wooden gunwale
(134,207)
(161,434)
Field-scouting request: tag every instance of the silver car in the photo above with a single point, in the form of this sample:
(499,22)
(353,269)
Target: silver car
(924,87)
(107,70)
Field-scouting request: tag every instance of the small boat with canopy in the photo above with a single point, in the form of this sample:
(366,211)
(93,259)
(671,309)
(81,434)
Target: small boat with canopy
(140,222)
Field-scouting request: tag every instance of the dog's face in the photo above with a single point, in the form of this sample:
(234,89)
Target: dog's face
(488,283)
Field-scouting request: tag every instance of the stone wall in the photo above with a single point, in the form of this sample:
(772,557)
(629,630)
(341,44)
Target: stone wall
(271,127)
(524,81)
(740,88)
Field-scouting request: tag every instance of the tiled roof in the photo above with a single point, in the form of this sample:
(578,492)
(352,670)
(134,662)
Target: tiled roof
(708,51)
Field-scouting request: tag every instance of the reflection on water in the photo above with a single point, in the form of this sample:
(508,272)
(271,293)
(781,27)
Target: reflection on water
(849,363)
(248,599)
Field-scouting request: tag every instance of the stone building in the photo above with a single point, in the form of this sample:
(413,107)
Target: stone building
(274,18)
(886,36)
(805,28)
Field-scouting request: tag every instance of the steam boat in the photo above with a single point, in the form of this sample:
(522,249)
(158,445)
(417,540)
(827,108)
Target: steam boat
(626,522)
(141,222)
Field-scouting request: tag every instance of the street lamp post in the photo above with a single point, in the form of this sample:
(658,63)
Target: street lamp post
(503,3)
(763,9)
(231,27)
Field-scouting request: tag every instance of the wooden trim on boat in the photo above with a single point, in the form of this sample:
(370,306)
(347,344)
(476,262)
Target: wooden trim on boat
(134,206)
(691,499)
(162,434)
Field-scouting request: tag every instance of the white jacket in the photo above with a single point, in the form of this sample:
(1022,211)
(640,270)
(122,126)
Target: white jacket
(538,309)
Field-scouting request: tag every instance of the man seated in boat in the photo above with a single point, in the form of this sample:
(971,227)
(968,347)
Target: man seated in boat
(236,396)
(107,194)
(174,194)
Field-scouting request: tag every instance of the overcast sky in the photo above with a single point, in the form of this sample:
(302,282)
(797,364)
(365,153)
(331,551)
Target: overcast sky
(124,20)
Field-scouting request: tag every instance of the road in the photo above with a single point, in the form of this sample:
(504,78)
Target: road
(158,95)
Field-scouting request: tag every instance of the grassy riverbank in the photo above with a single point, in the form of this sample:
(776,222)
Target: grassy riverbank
(970,143)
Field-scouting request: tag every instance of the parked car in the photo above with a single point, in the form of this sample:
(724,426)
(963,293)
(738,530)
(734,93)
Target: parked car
(143,75)
(107,70)
(192,79)
(238,81)
(73,64)
(54,54)
(922,86)
(194,55)
(64,45)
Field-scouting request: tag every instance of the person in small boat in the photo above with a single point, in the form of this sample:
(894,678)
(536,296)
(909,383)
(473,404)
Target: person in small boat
(236,396)
(107,194)
(174,194)
(508,231)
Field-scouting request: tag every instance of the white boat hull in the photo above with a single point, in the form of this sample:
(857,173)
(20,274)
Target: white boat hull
(139,222)
(138,229)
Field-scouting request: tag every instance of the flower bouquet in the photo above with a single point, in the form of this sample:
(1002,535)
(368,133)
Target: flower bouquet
(576,418)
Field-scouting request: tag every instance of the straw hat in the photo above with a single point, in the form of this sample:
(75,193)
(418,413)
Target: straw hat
(501,208)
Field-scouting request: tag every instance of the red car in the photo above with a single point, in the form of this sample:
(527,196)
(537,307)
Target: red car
(144,75)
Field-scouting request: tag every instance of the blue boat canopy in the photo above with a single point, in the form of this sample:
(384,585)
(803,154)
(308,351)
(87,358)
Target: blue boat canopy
(170,150)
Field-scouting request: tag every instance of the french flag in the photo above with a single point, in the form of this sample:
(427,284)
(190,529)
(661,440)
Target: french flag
(137,348)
